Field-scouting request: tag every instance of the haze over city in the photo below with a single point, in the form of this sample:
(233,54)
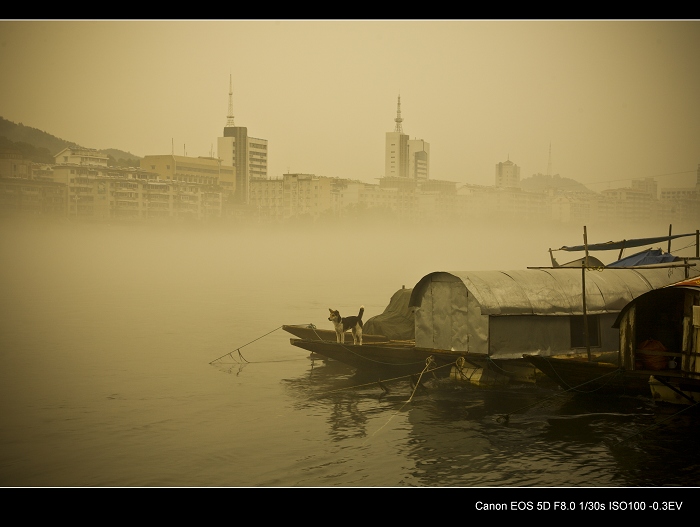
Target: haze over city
(616,100)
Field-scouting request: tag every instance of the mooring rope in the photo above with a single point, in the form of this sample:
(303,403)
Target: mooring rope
(428,362)
(381,381)
(364,357)
(506,417)
(238,349)
(614,373)
(613,445)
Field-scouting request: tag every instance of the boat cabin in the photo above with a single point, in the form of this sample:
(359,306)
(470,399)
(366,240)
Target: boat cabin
(505,314)
(659,331)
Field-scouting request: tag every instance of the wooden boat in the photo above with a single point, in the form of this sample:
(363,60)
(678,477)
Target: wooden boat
(659,335)
(391,357)
(579,375)
(311,332)
(394,358)
(485,319)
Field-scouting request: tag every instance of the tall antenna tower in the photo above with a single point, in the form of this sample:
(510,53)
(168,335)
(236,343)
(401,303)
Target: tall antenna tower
(549,166)
(398,119)
(229,121)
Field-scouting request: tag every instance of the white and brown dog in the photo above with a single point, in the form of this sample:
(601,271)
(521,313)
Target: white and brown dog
(342,324)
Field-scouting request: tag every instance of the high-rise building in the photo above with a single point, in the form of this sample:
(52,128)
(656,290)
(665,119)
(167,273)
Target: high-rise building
(248,155)
(404,157)
(418,159)
(507,174)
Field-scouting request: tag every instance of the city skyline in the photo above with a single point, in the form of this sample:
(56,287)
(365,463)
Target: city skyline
(615,99)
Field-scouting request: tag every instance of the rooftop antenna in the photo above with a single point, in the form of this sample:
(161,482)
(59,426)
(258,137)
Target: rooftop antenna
(172,146)
(398,119)
(549,166)
(229,121)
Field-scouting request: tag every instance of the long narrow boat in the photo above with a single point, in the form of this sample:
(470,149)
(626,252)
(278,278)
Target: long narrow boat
(386,358)
(395,358)
(311,332)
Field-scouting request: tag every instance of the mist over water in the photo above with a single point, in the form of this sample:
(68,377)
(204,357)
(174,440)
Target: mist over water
(107,332)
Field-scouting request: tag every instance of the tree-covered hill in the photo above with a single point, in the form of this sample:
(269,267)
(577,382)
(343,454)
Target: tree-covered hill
(41,147)
(543,182)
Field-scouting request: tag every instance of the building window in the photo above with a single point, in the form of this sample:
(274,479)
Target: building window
(578,336)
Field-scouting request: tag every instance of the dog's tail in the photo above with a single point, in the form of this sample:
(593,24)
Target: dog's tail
(359,315)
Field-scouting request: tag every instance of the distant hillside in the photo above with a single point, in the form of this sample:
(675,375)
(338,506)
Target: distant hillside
(542,182)
(40,146)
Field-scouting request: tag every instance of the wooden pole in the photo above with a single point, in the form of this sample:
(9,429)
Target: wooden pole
(669,238)
(584,265)
(697,244)
(585,315)
(619,256)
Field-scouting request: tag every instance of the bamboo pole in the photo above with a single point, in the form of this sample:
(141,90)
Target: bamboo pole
(647,266)
(669,237)
(584,265)
(619,256)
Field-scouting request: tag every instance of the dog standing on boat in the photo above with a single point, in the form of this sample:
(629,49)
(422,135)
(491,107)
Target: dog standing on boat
(342,324)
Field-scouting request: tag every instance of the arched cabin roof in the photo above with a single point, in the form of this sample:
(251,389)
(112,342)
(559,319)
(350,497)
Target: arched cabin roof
(552,291)
(692,284)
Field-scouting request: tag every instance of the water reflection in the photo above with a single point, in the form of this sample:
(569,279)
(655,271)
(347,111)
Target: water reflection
(521,435)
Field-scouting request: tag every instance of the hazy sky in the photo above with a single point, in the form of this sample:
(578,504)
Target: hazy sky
(616,99)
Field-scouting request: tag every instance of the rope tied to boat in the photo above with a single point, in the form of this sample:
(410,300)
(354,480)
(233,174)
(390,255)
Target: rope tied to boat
(429,362)
(238,349)
(611,376)
(459,364)
(504,418)
(613,445)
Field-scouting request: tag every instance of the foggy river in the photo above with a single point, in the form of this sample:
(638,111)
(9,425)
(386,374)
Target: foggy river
(108,377)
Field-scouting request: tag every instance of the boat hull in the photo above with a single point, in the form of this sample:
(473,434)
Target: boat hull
(579,375)
(311,332)
(391,357)
(675,391)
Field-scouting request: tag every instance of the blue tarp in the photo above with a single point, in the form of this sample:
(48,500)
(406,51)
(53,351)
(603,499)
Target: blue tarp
(650,256)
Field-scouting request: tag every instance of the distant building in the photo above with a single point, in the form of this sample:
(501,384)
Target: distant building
(199,170)
(404,157)
(13,164)
(81,156)
(31,197)
(683,193)
(507,174)
(290,196)
(418,159)
(632,204)
(648,185)
(247,155)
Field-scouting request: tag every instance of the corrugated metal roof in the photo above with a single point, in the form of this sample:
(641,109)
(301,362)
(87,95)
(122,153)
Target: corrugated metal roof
(556,291)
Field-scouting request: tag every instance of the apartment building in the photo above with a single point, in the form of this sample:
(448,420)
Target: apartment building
(13,164)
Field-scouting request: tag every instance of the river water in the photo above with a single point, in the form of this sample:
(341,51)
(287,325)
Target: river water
(152,356)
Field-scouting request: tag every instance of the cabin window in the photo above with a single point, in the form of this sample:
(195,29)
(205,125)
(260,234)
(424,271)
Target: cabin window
(578,336)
